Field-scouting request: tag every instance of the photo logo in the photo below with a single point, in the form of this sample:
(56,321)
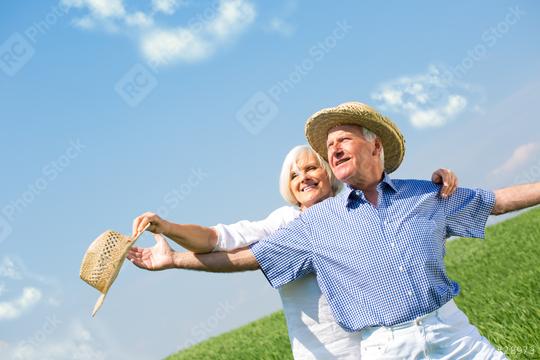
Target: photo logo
(257,113)
(5,229)
(15,53)
(262,107)
(135,85)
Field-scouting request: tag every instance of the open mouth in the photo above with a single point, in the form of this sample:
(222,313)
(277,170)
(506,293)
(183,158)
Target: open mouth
(309,188)
(341,161)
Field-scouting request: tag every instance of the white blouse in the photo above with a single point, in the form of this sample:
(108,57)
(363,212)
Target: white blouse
(313,332)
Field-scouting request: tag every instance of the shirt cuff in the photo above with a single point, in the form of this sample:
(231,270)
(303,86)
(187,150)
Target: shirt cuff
(258,251)
(488,198)
(219,242)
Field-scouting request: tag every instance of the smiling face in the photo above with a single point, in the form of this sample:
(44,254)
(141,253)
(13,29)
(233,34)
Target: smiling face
(309,182)
(353,159)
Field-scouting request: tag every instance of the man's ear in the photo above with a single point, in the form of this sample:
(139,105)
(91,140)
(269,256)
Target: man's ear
(378,146)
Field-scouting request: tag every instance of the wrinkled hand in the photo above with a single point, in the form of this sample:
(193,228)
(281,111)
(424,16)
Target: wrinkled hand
(157,224)
(158,257)
(448,180)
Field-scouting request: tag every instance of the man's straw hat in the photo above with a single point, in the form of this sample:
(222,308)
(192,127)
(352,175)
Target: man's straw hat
(103,260)
(355,113)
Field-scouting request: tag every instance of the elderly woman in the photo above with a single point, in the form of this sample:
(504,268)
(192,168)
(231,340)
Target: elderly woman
(305,180)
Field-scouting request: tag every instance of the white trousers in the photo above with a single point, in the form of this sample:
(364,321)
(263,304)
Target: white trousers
(443,334)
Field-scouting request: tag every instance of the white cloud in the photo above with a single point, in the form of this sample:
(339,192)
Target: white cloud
(14,309)
(99,8)
(200,40)
(438,116)
(391,96)
(232,17)
(196,40)
(76,344)
(520,157)
(139,19)
(281,27)
(9,269)
(166,6)
(13,274)
(165,46)
(428,100)
(86,23)
(104,14)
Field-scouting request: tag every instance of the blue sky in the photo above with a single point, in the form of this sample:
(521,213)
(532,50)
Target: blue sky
(110,109)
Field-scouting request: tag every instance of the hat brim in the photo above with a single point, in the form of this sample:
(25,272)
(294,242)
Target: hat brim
(320,123)
(99,302)
(119,262)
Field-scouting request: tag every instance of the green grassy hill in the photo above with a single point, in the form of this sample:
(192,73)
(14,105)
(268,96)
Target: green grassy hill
(500,280)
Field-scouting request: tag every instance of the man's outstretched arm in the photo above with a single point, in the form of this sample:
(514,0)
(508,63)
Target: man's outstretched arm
(516,198)
(233,261)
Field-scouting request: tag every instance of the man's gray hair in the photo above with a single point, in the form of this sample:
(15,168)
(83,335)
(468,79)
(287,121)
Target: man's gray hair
(371,136)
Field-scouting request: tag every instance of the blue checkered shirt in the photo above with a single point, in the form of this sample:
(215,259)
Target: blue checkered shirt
(377,266)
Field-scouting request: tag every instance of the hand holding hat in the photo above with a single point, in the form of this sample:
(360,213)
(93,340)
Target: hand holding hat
(103,260)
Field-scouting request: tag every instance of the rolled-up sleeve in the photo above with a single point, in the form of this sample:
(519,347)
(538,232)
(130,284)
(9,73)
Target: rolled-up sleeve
(467,211)
(287,254)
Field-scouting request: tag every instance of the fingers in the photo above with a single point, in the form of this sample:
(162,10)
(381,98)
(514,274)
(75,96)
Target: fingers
(145,221)
(162,245)
(453,183)
(138,263)
(133,254)
(449,181)
(135,225)
(140,260)
(140,222)
(436,177)
(160,239)
(440,176)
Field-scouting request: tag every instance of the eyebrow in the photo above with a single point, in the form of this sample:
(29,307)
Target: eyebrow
(296,167)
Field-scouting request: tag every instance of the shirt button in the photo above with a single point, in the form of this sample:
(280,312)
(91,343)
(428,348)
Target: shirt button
(409,293)
(401,268)
(393,244)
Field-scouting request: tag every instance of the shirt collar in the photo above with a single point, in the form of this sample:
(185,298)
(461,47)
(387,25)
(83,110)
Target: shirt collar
(350,193)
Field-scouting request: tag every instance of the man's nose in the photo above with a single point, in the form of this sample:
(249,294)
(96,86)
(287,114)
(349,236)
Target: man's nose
(337,153)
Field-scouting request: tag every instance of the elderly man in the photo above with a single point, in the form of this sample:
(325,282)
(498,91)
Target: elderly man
(377,248)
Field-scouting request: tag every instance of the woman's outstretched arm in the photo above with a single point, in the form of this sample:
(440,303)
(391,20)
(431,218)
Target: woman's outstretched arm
(195,238)
(161,257)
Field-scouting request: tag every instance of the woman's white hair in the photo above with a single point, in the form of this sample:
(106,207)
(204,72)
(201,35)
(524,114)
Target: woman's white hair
(290,163)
